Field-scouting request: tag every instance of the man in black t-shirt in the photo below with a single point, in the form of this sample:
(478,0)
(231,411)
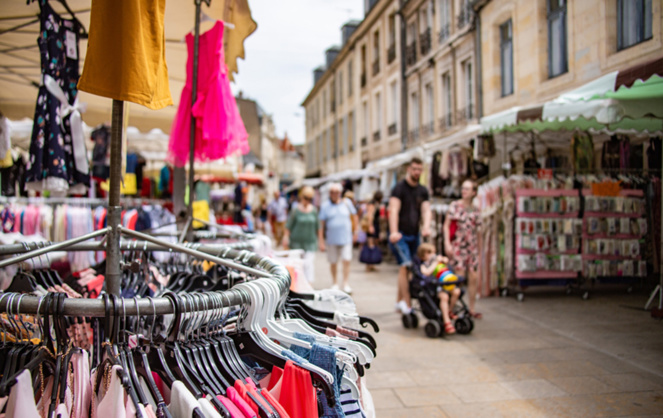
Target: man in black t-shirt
(409,205)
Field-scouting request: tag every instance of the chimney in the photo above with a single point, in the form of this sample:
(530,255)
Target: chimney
(331,54)
(317,74)
(348,29)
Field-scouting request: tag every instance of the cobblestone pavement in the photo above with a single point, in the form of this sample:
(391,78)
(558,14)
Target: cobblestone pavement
(551,355)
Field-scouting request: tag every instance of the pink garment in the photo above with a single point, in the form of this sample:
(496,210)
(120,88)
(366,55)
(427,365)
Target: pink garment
(231,407)
(220,131)
(109,403)
(21,401)
(240,403)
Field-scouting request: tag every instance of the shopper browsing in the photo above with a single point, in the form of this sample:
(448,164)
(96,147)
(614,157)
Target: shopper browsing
(435,265)
(463,248)
(301,231)
(408,206)
(278,215)
(335,233)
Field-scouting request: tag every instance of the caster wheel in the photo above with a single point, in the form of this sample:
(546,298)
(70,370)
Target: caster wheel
(505,292)
(585,296)
(464,325)
(630,289)
(520,297)
(410,320)
(433,329)
(568,290)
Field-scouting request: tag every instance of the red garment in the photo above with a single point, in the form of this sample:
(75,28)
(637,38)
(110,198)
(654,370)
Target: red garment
(251,387)
(297,395)
(95,286)
(146,188)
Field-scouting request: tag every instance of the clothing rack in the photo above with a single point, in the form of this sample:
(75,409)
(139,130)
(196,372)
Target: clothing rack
(129,201)
(213,249)
(157,306)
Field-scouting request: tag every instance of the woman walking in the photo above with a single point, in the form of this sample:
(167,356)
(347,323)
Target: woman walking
(372,222)
(301,229)
(463,248)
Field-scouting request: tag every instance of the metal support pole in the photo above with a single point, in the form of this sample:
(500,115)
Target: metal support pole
(113,268)
(50,248)
(194,96)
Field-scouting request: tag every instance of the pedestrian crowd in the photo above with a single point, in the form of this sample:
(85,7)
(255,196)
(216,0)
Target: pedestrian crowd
(403,222)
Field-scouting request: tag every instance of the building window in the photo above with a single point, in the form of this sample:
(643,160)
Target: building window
(430,108)
(352,126)
(557,61)
(469,90)
(393,108)
(324,104)
(365,116)
(378,117)
(345,135)
(411,48)
(446,101)
(376,52)
(415,110)
(391,52)
(634,22)
(329,144)
(350,78)
(335,139)
(444,11)
(363,66)
(506,57)
(340,87)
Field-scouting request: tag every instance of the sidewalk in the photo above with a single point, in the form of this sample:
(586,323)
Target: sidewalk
(551,355)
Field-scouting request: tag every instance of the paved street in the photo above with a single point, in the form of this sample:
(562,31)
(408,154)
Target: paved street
(552,355)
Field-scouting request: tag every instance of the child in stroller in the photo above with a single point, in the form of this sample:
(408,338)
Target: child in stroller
(438,292)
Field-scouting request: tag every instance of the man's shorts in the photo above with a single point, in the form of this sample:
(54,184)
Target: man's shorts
(339,252)
(405,249)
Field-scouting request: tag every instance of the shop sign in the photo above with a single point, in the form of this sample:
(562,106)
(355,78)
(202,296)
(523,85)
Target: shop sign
(545,173)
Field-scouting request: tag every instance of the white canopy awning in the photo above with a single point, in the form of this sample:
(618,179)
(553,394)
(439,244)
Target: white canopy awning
(395,161)
(459,138)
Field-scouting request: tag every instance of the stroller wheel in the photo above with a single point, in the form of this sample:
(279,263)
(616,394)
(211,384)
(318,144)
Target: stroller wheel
(464,325)
(433,329)
(410,320)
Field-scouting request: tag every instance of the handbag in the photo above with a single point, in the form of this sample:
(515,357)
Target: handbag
(453,226)
(370,255)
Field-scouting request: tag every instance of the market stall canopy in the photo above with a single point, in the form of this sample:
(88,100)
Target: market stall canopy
(621,101)
(457,138)
(20,73)
(395,161)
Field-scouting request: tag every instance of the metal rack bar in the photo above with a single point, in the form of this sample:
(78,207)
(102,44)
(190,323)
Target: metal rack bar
(50,248)
(162,306)
(214,249)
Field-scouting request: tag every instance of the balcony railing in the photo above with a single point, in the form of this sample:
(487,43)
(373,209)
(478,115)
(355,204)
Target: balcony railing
(465,15)
(391,54)
(363,80)
(427,129)
(376,136)
(411,54)
(412,137)
(392,129)
(425,42)
(466,113)
(376,66)
(446,122)
(332,106)
(444,33)
(364,142)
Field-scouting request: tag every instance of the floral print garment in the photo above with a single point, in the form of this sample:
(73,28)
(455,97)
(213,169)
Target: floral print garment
(51,165)
(465,245)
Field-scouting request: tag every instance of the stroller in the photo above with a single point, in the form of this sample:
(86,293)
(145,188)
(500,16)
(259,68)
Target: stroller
(425,290)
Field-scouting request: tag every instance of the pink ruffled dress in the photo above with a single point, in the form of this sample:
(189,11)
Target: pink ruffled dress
(220,131)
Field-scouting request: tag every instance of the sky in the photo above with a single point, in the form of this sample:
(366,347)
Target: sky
(290,42)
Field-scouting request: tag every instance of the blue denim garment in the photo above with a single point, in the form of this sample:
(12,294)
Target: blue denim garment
(324,357)
(294,357)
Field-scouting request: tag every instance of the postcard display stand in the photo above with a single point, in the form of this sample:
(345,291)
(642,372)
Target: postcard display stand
(614,228)
(548,238)
(555,245)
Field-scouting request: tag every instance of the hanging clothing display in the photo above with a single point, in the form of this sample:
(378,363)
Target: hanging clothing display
(126,53)
(5,135)
(58,158)
(220,131)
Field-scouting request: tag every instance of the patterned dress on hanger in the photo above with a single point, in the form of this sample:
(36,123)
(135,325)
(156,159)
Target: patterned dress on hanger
(52,165)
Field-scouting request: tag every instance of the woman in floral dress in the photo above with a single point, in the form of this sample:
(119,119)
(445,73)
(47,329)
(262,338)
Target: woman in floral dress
(463,248)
